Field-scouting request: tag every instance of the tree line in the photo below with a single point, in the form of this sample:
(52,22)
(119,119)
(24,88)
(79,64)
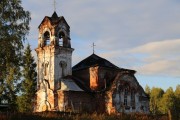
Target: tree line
(164,102)
(17,66)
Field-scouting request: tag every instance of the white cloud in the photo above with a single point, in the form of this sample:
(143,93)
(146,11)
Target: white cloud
(167,47)
(155,58)
(162,58)
(163,67)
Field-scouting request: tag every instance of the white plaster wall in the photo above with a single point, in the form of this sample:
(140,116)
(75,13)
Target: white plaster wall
(65,56)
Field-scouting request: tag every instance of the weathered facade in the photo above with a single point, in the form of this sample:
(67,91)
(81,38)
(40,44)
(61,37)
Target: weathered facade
(116,88)
(94,84)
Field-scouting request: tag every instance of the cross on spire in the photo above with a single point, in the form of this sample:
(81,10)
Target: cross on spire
(54,5)
(93,45)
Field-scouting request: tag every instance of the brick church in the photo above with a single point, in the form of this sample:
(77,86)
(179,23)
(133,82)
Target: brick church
(93,85)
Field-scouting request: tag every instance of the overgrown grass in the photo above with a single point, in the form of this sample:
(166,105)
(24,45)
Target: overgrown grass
(69,116)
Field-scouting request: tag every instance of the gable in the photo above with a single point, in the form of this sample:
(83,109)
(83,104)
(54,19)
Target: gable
(54,20)
(94,60)
(126,80)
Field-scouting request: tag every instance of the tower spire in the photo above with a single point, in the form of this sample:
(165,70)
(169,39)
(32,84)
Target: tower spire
(93,45)
(54,5)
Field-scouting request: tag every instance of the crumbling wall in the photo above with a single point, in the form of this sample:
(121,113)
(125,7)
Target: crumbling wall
(83,75)
(106,77)
(101,77)
(72,101)
(94,80)
(124,94)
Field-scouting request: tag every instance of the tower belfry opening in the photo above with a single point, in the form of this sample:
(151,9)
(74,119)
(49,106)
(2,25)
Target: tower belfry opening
(47,38)
(61,39)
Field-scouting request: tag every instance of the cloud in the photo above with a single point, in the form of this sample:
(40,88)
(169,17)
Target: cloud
(158,58)
(155,58)
(167,47)
(131,34)
(161,67)
(112,24)
(162,58)
(123,24)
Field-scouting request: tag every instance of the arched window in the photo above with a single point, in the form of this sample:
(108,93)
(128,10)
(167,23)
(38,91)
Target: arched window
(132,98)
(47,38)
(61,38)
(125,96)
(63,66)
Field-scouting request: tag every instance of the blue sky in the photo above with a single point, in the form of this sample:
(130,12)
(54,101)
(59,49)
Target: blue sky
(143,35)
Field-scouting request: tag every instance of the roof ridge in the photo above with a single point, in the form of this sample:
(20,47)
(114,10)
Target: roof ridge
(92,60)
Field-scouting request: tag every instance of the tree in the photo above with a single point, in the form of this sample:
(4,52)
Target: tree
(177,102)
(147,90)
(155,97)
(28,84)
(168,102)
(14,26)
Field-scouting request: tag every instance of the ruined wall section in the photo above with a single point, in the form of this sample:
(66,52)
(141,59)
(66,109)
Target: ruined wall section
(106,77)
(83,75)
(45,66)
(125,95)
(78,102)
(101,77)
(94,78)
(45,80)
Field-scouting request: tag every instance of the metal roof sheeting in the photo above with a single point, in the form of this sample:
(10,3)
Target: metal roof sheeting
(69,85)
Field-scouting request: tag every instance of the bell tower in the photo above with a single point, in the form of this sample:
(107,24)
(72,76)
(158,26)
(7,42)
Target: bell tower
(54,55)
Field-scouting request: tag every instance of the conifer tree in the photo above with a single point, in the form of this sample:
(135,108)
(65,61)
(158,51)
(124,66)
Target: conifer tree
(28,84)
(14,26)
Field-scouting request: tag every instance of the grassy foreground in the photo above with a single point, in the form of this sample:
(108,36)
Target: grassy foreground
(65,116)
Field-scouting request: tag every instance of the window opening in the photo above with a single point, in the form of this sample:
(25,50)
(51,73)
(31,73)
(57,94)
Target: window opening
(125,96)
(113,96)
(132,98)
(47,38)
(61,38)
(63,65)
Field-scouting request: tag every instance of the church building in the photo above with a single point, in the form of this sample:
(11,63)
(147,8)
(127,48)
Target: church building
(93,85)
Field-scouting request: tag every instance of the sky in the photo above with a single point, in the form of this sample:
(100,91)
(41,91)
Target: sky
(143,35)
